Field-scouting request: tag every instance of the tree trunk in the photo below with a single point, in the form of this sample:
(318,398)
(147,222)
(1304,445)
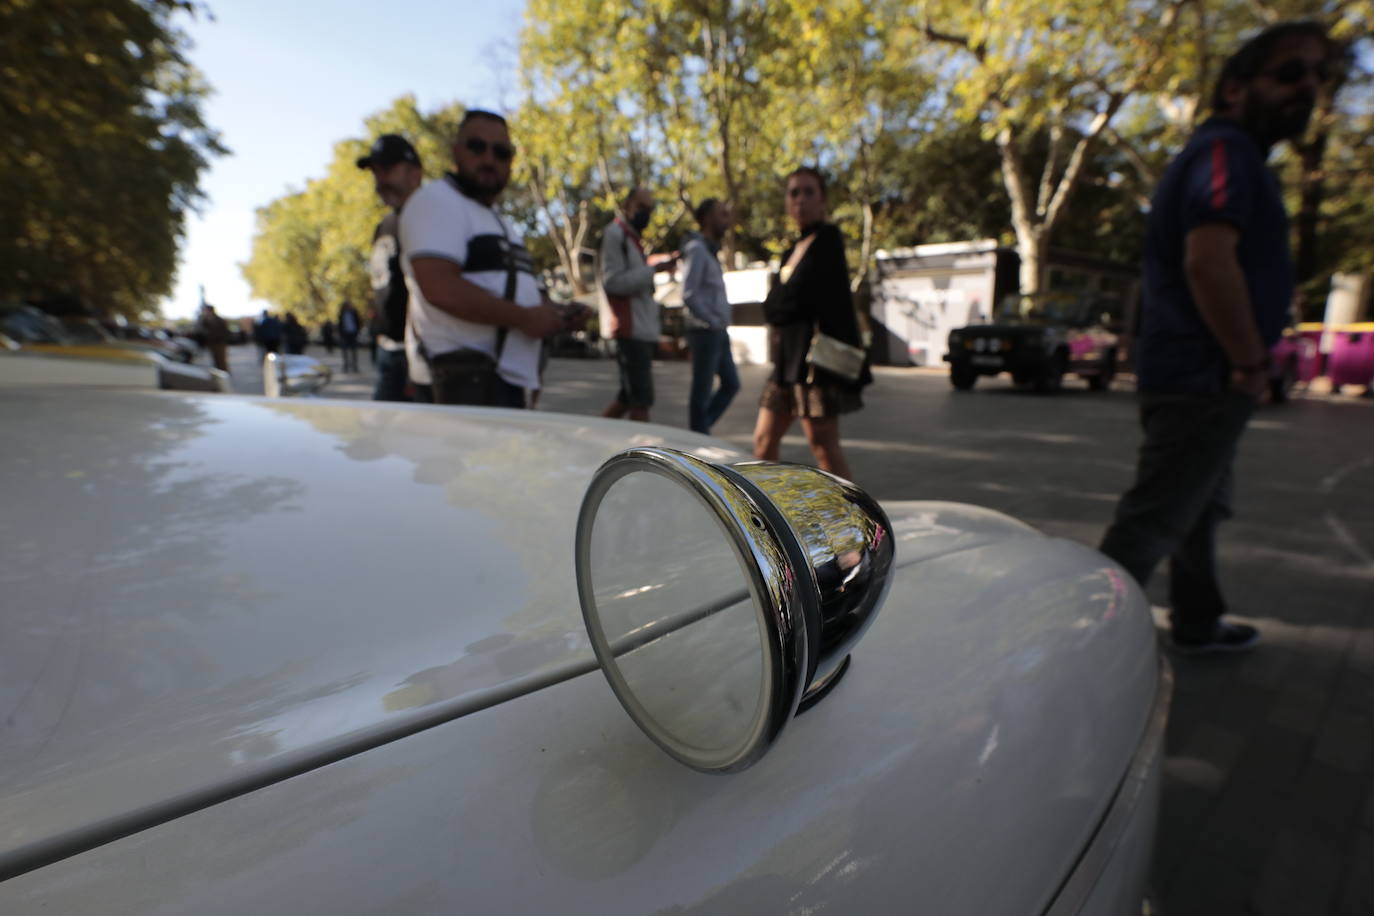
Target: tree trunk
(1312,187)
(865,250)
(1030,245)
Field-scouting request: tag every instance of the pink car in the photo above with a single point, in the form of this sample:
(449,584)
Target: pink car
(1298,357)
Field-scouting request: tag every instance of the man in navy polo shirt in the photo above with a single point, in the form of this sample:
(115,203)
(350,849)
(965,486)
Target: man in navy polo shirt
(1218,283)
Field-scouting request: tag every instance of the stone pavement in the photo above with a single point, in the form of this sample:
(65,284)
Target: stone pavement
(1269,792)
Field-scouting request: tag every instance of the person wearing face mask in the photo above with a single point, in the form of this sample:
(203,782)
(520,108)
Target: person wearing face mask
(1218,281)
(627,281)
(477,312)
(396,174)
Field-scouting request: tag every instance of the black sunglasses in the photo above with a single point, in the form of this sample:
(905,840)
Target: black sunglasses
(1295,71)
(502,151)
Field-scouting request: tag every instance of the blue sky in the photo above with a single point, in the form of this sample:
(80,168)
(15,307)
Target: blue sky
(292,77)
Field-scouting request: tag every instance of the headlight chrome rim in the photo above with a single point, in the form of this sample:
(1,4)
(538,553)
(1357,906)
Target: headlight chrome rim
(769,552)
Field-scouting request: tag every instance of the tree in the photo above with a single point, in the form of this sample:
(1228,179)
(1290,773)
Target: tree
(1066,69)
(564,169)
(676,94)
(1349,23)
(869,110)
(311,247)
(1325,221)
(102,173)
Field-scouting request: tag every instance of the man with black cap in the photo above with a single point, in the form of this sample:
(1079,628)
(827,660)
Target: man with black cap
(396,172)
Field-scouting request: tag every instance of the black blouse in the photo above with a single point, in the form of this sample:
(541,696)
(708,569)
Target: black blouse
(816,295)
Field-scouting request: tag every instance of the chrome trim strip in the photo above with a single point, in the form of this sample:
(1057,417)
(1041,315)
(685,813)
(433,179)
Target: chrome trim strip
(52,849)
(1069,899)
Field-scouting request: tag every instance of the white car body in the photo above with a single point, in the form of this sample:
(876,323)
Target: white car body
(301,656)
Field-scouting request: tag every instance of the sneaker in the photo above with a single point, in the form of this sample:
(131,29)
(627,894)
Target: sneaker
(1225,637)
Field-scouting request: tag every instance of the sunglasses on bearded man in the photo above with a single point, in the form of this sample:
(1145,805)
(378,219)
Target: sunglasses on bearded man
(1294,71)
(478,147)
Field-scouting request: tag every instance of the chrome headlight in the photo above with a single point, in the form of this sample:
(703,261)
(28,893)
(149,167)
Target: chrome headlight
(720,599)
(293,375)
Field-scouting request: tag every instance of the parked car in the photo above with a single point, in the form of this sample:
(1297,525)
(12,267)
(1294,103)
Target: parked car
(1343,354)
(1038,345)
(83,360)
(174,347)
(344,657)
(86,330)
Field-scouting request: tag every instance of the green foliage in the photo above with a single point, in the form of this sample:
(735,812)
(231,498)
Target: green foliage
(102,150)
(311,247)
(936,120)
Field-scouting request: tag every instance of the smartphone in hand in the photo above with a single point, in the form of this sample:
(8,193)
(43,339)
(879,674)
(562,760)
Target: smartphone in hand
(575,315)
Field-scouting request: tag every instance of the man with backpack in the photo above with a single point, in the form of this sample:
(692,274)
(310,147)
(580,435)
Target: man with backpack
(396,174)
(627,280)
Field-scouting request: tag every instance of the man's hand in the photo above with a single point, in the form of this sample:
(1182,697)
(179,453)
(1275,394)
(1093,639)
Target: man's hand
(575,316)
(664,261)
(541,321)
(1251,380)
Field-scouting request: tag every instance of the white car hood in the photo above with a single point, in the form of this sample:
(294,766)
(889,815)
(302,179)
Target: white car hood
(198,588)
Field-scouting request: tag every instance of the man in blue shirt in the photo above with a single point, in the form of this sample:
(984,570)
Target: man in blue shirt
(1218,282)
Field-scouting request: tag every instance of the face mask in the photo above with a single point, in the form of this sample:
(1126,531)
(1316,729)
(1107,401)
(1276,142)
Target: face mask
(640,220)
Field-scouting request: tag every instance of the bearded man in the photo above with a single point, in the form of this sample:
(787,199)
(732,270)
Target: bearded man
(1218,283)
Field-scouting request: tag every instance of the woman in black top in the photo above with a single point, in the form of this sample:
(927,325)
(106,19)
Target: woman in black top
(809,293)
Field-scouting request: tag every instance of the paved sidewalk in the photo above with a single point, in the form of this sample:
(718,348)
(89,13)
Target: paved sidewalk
(1269,793)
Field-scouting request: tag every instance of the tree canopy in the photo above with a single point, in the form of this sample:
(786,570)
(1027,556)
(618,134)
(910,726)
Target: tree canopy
(1039,125)
(311,247)
(101,172)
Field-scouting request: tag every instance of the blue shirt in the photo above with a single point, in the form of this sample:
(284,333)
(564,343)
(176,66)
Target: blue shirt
(1220,177)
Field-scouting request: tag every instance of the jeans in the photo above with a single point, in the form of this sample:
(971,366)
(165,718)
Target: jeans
(391,376)
(711,359)
(1182,492)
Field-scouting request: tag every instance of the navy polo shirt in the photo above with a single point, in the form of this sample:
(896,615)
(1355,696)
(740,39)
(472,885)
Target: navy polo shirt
(1221,176)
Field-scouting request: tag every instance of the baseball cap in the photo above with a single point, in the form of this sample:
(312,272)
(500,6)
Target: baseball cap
(389,149)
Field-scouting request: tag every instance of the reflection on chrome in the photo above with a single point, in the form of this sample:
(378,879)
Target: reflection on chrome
(639,591)
(293,375)
(849,545)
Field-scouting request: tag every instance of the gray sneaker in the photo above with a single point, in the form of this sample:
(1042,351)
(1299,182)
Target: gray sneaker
(1225,637)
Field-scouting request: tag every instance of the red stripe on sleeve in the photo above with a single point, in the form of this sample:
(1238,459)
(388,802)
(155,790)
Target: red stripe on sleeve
(1218,175)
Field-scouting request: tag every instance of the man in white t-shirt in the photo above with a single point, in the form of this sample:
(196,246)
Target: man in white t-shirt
(477,313)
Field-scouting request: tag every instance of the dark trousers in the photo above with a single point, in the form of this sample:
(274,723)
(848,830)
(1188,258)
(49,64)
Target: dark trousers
(219,353)
(469,377)
(711,359)
(1182,492)
(348,348)
(392,374)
